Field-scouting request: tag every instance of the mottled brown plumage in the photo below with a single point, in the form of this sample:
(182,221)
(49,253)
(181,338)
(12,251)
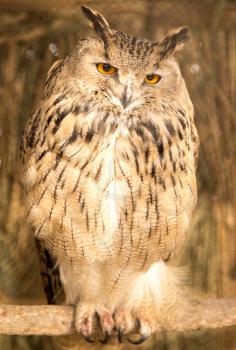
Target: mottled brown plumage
(109,166)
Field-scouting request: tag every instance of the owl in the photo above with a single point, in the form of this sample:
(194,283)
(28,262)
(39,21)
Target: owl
(109,161)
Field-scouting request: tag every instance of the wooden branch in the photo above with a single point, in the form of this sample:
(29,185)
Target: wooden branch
(58,320)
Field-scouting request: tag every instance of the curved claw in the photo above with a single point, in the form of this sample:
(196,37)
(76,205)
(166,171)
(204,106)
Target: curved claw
(97,317)
(120,335)
(106,338)
(88,338)
(137,324)
(138,341)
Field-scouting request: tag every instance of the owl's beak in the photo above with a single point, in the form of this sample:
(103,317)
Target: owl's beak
(127,94)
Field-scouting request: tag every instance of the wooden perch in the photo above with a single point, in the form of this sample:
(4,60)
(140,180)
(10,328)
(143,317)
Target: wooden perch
(58,320)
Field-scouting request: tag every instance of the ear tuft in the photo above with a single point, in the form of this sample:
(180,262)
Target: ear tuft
(173,41)
(100,24)
(181,35)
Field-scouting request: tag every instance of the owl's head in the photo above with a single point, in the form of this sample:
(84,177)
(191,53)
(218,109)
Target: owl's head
(128,70)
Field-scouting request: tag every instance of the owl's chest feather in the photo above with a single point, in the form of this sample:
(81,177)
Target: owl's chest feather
(111,195)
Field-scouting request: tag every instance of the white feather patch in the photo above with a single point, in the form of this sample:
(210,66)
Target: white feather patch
(148,286)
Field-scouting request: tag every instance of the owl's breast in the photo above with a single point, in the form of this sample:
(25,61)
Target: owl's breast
(125,197)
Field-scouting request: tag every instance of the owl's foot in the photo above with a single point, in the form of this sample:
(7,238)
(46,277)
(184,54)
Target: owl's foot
(136,329)
(107,324)
(124,322)
(106,321)
(84,321)
(143,332)
(87,318)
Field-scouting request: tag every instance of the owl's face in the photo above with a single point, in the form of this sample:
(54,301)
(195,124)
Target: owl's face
(130,71)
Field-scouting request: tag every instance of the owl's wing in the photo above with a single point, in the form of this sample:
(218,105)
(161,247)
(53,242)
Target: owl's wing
(50,276)
(195,142)
(32,124)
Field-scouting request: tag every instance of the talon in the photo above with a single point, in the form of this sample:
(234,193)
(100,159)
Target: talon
(120,335)
(88,338)
(97,317)
(138,341)
(137,324)
(106,338)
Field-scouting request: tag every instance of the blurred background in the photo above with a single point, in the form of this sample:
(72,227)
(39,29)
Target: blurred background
(33,34)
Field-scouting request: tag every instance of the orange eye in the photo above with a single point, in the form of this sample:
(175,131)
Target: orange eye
(106,68)
(152,78)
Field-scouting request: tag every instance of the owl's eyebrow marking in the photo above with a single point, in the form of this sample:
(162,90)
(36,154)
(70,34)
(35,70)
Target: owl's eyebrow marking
(156,66)
(106,54)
